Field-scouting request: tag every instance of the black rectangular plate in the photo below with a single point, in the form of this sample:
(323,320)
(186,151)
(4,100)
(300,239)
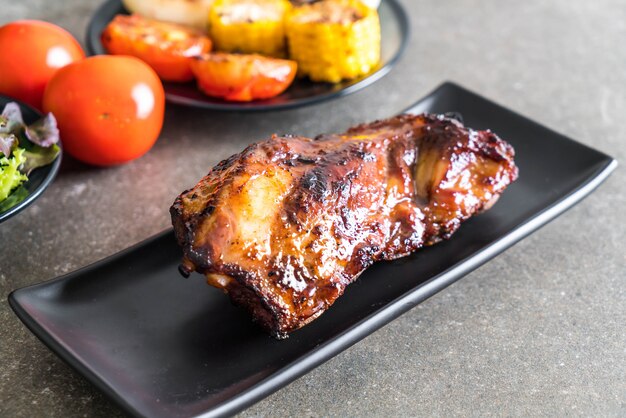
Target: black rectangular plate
(161,346)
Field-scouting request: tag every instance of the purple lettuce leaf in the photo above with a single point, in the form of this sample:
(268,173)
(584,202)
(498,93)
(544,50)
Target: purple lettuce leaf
(44,132)
(11,119)
(7,143)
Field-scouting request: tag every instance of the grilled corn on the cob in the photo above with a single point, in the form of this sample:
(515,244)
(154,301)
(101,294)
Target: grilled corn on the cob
(334,40)
(251,26)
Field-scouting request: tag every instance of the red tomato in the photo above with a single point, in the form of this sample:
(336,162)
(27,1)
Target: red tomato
(242,77)
(109,108)
(166,47)
(31,52)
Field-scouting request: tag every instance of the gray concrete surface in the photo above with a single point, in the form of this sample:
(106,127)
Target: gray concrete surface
(538,331)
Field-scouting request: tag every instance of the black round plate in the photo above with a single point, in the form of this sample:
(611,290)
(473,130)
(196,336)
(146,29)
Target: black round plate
(394,34)
(41,177)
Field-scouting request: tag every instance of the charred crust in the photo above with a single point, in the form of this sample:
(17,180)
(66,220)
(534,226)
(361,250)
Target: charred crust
(309,180)
(246,293)
(184,271)
(306,160)
(365,156)
(208,210)
(319,230)
(315,182)
(180,231)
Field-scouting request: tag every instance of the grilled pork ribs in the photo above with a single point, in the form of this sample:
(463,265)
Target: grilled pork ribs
(284,226)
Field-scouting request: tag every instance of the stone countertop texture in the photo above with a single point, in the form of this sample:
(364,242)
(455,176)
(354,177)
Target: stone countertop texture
(538,331)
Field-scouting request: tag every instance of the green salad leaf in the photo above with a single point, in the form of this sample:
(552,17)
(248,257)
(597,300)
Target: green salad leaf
(38,156)
(16,196)
(10,175)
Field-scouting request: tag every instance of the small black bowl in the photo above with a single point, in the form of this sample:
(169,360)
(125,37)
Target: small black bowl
(40,178)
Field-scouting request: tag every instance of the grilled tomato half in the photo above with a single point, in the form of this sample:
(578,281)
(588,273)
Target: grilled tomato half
(242,77)
(166,47)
